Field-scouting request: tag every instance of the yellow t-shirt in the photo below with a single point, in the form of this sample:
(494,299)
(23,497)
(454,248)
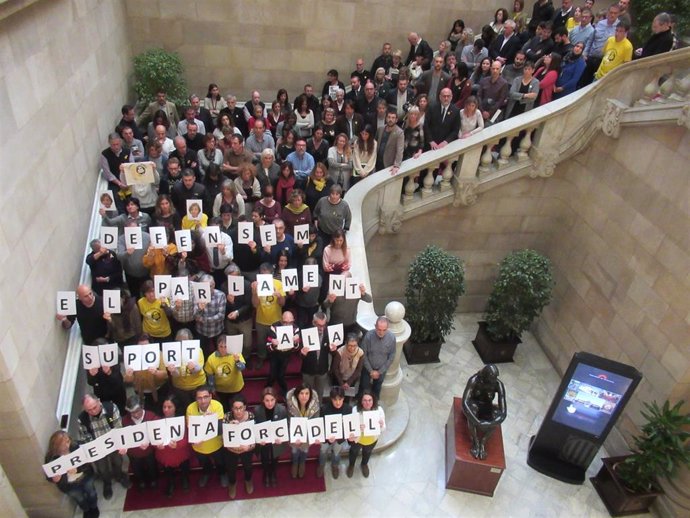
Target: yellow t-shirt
(615,53)
(570,24)
(155,322)
(269,311)
(228,378)
(187,380)
(216,443)
(190,224)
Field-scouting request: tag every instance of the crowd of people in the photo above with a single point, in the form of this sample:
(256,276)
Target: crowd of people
(285,165)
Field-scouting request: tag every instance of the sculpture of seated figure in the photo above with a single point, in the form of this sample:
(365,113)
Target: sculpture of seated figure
(483,416)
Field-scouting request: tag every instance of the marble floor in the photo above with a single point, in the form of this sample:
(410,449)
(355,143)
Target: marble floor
(408,478)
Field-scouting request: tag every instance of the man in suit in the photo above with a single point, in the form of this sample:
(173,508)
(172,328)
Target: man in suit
(432,81)
(442,121)
(349,122)
(505,46)
(401,97)
(161,103)
(385,60)
(201,113)
(356,91)
(391,143)
(419,47)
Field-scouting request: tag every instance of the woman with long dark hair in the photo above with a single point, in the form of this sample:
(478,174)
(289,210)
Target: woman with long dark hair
(270,410)
(302,401)
(160,118)
(165,215)
(364,154)
(237,414)
(336,256)
(460,85)
(547,75)
(214,102)
(175,455)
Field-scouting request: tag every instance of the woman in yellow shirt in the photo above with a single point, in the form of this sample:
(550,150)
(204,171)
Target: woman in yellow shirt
(154,313)
(224,372)
(366,443)
(197,219)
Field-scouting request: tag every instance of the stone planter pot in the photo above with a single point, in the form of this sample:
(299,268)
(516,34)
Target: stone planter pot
(618,499)
(426,352)
(494,352)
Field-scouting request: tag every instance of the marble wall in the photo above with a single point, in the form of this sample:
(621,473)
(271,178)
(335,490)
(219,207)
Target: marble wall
(63,77)
(615,221)
(268,44)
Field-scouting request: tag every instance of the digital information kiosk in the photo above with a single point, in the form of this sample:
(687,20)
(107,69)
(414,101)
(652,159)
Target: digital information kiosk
(588,402)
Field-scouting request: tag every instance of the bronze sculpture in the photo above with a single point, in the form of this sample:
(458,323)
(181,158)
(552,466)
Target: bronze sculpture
(483,416)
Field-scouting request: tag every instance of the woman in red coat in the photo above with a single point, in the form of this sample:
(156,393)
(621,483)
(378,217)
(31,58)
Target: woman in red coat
(547,75)
(175,454)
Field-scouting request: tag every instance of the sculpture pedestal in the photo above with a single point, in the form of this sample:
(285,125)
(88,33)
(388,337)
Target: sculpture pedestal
(463,471)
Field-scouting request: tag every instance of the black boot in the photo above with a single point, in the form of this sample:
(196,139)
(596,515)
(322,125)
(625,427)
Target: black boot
(170,489)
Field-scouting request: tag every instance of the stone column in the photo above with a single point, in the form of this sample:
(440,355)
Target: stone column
(390,390)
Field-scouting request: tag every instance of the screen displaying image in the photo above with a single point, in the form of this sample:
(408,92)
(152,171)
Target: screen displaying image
(591,399)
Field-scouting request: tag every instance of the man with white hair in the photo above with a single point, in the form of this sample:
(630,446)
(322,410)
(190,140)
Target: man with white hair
(210,316)
(505,46)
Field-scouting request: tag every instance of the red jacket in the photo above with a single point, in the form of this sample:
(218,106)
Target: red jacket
(138,452)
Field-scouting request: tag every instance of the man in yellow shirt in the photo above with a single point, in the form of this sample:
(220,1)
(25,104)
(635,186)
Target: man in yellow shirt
(269,309)
(617,50)
(187,377)
(211,451)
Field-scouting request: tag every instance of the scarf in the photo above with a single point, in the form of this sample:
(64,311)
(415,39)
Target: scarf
(571,58)
(348,362)
(298,210)
(283,188)
(319,184)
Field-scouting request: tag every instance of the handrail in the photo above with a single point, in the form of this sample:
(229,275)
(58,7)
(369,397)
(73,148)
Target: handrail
(561,129)
(70,371)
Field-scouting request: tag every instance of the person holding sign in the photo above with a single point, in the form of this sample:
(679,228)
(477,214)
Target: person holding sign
(296,212)
(132,259)
(301,401)
(233,455)
(378,345)
(174,454)
(95,420)
(194,219)
(238,307)
(89,315)
(106,270)
(315,357)
(280,347)
(334,441)
(189,374)
(307,297)
(224,372)
(284,242)
(107,382)
(77,483)
(124,327)
(210,451)
(134,213)
(312,250)
(347,364)
(141,458)
(154,313)
(270,410)
(371,427)
(268,308)
(149,384)
(343,310)
(161,261)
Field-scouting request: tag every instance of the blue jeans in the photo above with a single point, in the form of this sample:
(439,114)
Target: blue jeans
(365,382)
(335,448)
(299,453)
(84,494)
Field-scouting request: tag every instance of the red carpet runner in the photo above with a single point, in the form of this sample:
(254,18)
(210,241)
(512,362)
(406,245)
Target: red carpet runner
(138,500)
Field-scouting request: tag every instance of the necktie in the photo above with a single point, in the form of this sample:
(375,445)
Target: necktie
(443,113)
(216,257)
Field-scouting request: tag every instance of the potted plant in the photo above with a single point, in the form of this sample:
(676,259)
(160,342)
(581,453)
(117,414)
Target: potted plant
(435,281)
(521,290)
(627,484)
(156,69)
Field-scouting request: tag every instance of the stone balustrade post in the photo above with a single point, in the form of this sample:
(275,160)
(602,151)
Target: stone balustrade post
(395,313)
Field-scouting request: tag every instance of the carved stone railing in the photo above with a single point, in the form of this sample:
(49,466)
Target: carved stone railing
(545,136)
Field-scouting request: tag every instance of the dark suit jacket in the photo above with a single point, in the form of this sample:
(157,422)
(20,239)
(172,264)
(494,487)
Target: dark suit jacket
(437,130)
(423,84)
(424,50)
(357,125)
(205,117)
(355,96)
(392,97)
(509,49)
